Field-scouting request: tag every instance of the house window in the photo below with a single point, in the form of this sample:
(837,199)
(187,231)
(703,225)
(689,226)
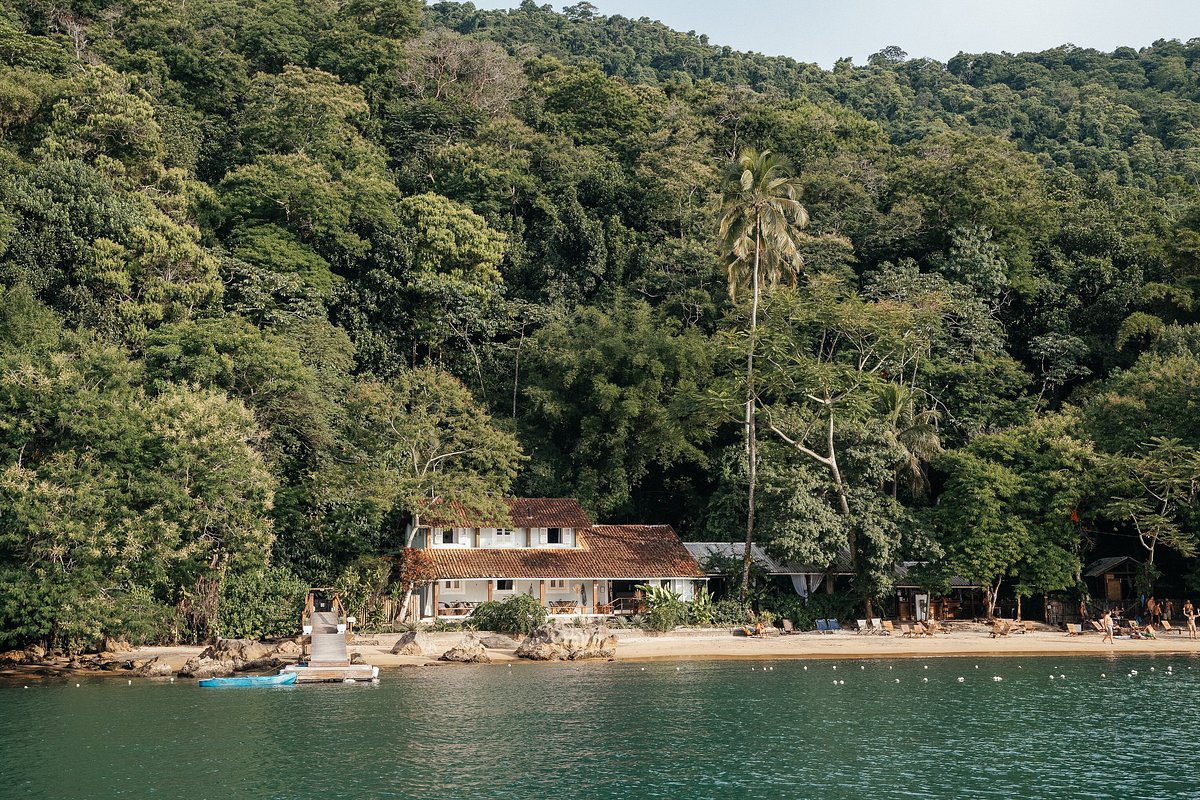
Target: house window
(504,535)
(452,587)
(447,536)
(553,535)
(504,585)
(557,584)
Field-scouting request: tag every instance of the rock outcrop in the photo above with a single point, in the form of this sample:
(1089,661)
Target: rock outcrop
(552,643)
(497,642)
(154,668)
(227,656)
(413,643)
(468,651)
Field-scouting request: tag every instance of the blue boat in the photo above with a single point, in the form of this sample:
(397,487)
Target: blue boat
(283,679)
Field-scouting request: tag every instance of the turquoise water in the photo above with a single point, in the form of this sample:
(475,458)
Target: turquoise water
(707,729)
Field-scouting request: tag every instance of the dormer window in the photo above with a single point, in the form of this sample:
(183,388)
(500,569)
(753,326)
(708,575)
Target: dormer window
(554,536)
(448,536)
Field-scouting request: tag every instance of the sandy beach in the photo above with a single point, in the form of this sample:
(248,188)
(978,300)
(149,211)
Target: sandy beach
(963,640)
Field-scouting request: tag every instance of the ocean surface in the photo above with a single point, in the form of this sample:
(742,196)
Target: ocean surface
(697,729)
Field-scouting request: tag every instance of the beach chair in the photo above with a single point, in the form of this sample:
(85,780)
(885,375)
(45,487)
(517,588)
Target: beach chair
(1168,628)
(1028,626)
(906,630)
(925,628)
(1074,629)
(888,628)
(833,625)
(1017,627)
(864,627)
(1096,625)
(877,627)
(788,627)
(822,627)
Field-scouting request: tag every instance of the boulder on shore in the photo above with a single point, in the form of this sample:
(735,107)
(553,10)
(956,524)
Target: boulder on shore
(468,651)
(154,668)
(413,643)
(497,642)
(552,643)
(227,656)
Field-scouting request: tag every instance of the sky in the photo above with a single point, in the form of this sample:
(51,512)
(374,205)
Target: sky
(823,31)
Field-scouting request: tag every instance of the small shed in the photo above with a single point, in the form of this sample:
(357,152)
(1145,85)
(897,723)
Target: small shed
(962,602)
(1112,578)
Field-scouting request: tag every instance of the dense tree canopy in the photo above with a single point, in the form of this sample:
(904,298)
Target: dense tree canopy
(254,256)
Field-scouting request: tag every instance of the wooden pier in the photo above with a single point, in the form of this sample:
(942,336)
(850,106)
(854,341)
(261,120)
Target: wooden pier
(325,634)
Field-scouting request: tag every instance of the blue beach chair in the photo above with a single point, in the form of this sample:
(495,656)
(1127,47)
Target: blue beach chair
(832,625)
(822,627)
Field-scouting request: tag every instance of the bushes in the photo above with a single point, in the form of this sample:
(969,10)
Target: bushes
(256,605)
(730,613)
(805,611)
(517,614)
(701,611)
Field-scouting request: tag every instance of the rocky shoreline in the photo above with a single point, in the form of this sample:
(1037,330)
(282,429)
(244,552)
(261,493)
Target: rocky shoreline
(227,657)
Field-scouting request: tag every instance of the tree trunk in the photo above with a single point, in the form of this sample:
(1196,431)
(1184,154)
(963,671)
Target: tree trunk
(407,587)
(751,434)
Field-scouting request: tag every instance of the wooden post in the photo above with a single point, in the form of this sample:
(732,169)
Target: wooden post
(477,541)
(595,597)
(436,584)
(542,592)
(491,586)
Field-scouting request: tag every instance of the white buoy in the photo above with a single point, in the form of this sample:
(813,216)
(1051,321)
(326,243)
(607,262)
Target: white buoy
(677,669)
(1062,676)
(835,683)
(1051,677)
(77,686)
(806,669)
(976,666)
(24,687)
(924,680)
(960,680)
(172,680)
(897,680)
(997,678)
(889,669)
(130,683)
(835,666)
(1152,669)
(348,680)
(926,666)
(841,683)
(1102,675)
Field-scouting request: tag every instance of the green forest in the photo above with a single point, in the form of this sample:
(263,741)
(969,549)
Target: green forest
(277,276)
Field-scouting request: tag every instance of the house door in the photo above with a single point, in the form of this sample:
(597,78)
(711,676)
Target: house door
(1112,587)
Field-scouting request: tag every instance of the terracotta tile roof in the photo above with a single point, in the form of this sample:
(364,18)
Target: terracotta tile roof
(623,552)
(526,512)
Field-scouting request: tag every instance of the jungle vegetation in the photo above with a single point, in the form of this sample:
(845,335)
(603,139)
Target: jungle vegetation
(278,275)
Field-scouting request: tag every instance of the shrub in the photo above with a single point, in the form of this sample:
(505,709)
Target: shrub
(665,610)
(362,587)
(730,613)
(805,611)
(257,605)
(517,614)
(701,610)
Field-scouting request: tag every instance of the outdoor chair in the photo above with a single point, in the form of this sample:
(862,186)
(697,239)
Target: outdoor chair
(1168,628)
(832,624)
(906,630)
(1096,625)
(923,629)
(1074,629)
(822,627)
(1017,627)
(1000,628)
(863,627)
(887,626)
(788,627)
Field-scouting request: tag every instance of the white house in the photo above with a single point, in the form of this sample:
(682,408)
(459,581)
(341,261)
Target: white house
(553,552)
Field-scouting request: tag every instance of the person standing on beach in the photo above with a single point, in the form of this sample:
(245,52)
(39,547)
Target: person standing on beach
(1189,613)
(1169,612)
(1106,622)
(1083,615)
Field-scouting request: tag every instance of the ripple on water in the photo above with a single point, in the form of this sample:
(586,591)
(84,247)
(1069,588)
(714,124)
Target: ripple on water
(707,729)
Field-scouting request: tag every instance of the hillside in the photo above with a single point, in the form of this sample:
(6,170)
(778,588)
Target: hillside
(279,274)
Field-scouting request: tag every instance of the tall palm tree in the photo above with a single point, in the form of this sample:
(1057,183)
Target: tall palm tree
(760,222)
(915,431)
